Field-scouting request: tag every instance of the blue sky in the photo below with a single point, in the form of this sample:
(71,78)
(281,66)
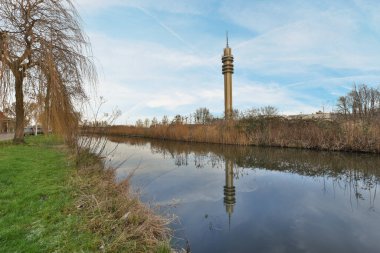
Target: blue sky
(162,57)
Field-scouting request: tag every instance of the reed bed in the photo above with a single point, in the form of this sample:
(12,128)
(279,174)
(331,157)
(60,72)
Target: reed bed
(352,135)
(115,214)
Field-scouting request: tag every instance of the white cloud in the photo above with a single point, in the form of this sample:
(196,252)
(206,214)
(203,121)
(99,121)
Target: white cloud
(304,36)
(140,75)
(171,101)
(262,16)
(171,6)
(296,46)
(293,49)
(254,94)
(136,60)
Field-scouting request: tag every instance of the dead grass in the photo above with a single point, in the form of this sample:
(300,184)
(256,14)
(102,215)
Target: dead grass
(336,135)
(112,212)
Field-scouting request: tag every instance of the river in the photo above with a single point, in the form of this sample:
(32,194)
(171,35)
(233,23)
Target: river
(253,199)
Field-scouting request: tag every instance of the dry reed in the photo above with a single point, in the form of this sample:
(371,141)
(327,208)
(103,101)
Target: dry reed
(336,135)
(115,214)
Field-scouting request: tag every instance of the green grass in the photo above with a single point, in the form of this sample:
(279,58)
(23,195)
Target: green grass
(37,200)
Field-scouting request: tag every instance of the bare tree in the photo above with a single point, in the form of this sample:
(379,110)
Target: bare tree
(42,44)
(165,120)
(252,113)
(269,110)
(202,116)
(154,122)
(374,100)
(343,105)
(178,120)
(361,102)
(146,122)
(139,123)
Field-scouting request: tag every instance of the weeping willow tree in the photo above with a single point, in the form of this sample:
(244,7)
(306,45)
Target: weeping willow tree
(43,50)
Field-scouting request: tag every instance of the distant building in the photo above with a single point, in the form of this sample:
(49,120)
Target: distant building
(7,125)
(317,115)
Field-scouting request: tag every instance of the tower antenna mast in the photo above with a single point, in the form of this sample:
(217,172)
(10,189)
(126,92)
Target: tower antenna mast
(227,39)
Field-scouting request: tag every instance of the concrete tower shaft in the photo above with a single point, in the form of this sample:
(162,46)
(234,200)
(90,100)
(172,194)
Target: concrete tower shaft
(229,190)
(227,70)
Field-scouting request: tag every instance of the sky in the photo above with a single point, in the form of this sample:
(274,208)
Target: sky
(157,58)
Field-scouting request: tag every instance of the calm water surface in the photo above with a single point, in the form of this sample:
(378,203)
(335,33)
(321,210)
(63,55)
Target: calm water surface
(249,199)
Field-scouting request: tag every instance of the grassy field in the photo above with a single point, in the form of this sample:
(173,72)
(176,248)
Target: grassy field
(40,189)
(36,200)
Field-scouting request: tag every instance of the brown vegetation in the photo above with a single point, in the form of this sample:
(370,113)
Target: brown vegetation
(354,127)
(337,135)
(114,213)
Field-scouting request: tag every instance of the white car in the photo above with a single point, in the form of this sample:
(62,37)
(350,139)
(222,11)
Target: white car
(29,130)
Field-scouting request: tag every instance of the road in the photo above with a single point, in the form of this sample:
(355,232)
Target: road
(5,137)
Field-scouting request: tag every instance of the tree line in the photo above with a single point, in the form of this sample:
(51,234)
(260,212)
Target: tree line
(203,116)
(362,101)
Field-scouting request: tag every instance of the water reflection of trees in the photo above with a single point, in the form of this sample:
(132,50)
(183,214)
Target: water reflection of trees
(350,172)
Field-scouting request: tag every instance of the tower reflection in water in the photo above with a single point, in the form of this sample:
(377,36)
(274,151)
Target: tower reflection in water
(229,191)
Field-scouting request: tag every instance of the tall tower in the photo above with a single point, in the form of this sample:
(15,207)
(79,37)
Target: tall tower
(227,70)
(229,190)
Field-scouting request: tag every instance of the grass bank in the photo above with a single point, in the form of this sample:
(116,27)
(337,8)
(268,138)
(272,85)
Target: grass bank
(334,135)
(47,204)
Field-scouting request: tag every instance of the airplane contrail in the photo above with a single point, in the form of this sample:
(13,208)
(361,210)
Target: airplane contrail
(173,33)
(168,29)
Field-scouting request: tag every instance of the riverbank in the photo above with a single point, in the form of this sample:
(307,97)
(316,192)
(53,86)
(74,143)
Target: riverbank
(272,191)
(332,135)
(50,204)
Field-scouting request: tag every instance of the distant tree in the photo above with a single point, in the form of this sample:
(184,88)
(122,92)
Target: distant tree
(154,122)
(41,43)
(268,111)
(165,120)
(178,120)
(374,98)
(202,116)
(343,105)
(139,123)
(251,113)
(185,119)
(262,111)
(236,115)
(191,117)
(146,122)
(362,101)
